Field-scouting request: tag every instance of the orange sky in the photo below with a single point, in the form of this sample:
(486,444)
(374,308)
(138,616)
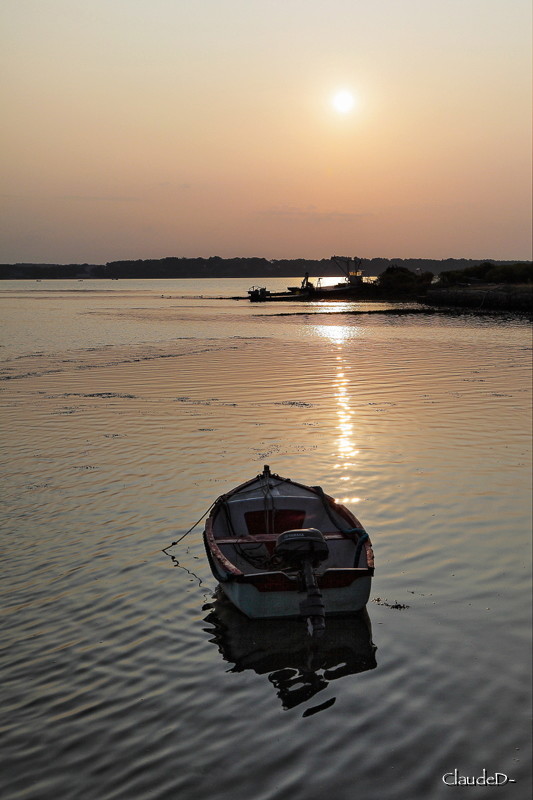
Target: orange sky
(152,128)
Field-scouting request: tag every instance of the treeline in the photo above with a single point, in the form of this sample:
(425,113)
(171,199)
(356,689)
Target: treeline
(46,271)
(505,287)
(252,268)
(488,272)
(398,280)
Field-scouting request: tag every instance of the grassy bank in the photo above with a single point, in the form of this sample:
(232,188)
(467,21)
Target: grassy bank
(499,297)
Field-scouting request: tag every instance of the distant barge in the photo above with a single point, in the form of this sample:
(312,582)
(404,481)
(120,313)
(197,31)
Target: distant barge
(347,289)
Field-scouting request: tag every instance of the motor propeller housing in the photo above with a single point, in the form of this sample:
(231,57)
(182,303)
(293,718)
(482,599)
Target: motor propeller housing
(305,544)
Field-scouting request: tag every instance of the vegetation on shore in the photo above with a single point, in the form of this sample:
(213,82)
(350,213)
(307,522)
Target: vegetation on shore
(488,272)
(397,269)
(400,281)
(486,285)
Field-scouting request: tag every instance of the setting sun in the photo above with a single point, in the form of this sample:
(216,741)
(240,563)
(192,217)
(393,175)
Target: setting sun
(343,101)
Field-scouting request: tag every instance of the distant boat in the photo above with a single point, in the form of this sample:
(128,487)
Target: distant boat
(260,294)
(346,289)
(283,549)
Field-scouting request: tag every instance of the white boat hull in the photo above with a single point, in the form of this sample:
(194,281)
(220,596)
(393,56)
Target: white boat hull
(269,605)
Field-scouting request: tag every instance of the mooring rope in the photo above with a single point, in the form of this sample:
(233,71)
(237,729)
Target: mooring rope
(164,550)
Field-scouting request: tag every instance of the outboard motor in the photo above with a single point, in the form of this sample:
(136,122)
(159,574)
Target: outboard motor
(303,550)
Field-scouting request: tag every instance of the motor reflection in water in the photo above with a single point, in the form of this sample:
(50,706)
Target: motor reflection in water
(296,665)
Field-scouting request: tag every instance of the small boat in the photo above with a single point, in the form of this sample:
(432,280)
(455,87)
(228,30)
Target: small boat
(260,294)
(283,549)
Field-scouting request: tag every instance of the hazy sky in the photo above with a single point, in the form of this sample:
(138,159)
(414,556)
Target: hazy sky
(152,128)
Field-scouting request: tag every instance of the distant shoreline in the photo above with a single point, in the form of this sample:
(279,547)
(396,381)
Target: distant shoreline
(215,267)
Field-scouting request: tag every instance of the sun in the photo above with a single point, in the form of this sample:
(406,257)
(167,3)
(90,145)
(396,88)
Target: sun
(343,101)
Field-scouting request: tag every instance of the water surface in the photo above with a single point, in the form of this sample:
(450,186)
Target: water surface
(127,407)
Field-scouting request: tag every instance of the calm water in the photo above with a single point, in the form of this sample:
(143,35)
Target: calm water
(127,407)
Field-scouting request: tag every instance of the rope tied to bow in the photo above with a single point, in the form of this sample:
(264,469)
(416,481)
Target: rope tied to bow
(164,550)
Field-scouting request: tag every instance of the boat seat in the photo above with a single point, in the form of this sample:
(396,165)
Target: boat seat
(271,537)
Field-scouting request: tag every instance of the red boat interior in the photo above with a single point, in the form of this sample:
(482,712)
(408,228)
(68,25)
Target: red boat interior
(246,532)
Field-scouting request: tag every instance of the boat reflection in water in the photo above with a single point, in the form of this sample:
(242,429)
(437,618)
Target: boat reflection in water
(298,666)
